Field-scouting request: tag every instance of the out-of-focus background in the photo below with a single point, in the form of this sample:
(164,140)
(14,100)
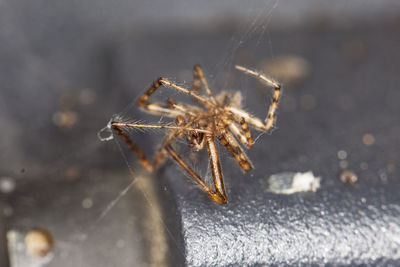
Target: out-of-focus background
(67,66)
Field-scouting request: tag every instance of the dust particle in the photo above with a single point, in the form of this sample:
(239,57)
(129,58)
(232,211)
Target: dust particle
(342,154)
(368,139)
(87,203)
(348,176)
(7,184)
(65,119)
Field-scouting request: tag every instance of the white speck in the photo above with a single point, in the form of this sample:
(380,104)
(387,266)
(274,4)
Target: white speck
(87,203)
(363,200)
(7,184)
(293,182)
(383,175)
(342,154)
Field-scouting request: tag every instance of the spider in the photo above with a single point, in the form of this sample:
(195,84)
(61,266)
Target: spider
(214,118)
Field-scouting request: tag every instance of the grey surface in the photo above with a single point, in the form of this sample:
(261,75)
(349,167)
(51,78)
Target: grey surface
(50,52)
(334,227)
(340,224)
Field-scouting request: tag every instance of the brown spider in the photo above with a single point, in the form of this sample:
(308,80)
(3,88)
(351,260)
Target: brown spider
(218,117)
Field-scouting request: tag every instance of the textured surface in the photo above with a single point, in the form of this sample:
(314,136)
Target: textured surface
(334,226)
(339,224)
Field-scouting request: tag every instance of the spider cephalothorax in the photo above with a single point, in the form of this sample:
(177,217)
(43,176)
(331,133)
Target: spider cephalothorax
(220,117)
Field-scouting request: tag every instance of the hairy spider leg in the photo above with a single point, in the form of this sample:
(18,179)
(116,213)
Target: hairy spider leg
(196,81)
(230,143)
(239,133)
(155,126)
(205,101)
(219,195)
(198,75)
(154,107)
(185,108)
(139,153)
(247,133)
(271,116)
(216,168)
(169,139)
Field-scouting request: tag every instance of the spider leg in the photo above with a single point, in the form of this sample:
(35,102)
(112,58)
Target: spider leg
(155,126)
(158,158)
(229,142)
(198,75)
(216,169)
(195,137)
(201,99)
(154,107)
(244,134)
(247,132)
(184,108)
(139,153)
(239,114)
(168,140)
(271,116)
(196,81)
(219,196)
(170,109)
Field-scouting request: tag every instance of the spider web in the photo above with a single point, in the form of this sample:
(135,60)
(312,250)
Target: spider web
(41,61)
(255,25)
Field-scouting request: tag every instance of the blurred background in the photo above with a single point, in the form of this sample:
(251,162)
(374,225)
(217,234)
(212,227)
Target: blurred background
(66,67)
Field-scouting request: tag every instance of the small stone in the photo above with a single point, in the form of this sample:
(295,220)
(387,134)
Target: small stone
(39,242)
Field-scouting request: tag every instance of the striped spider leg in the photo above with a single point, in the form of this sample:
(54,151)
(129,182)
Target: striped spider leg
(255,122)
(219,117)
(175,131)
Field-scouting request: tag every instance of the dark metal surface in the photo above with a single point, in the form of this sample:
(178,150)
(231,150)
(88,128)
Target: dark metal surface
(340,224)
(76,187)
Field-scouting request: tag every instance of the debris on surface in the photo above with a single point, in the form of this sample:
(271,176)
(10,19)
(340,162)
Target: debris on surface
(38,242)
(348,176)
(33,249)
(65,119)
(368,139)
(7,184)
(293,182)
